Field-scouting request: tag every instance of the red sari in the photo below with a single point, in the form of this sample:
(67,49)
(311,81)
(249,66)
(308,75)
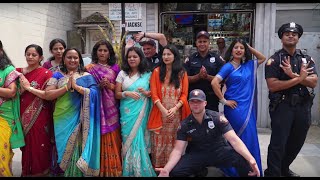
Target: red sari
(37,123)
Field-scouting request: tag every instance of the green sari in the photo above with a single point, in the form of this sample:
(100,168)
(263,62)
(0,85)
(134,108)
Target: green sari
(10,108)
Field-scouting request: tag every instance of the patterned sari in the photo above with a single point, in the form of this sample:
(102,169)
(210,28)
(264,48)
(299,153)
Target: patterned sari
(133,118)
(11,134)
(36,118)
(110,159)
(77,126)
(241,87)
(165,130)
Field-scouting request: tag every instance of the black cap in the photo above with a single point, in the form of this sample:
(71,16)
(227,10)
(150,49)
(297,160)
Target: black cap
(148,41)
(197,94)
(203,33)
(290,27)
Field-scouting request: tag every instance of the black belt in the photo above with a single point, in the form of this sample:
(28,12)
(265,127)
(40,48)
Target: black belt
(294,99)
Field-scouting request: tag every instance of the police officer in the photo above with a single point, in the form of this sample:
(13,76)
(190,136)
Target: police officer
(201,67)
(205,132)
(149,47)
(291,77)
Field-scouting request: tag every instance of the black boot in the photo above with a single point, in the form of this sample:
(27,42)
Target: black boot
(290,173)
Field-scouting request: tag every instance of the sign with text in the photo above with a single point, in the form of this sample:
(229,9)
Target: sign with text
(134,25)
(132,10)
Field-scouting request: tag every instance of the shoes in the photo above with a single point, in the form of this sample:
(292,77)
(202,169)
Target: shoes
(202,173)
(290,174)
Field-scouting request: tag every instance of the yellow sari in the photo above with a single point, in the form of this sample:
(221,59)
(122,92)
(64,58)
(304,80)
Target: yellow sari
(6,153)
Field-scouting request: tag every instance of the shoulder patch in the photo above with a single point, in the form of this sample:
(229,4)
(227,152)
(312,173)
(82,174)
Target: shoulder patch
(223,119)
(270,61)
(186,60)
(312,59)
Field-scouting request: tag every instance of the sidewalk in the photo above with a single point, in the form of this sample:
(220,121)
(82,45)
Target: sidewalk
(307,163)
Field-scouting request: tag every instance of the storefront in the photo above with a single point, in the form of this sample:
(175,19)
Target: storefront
(180,22)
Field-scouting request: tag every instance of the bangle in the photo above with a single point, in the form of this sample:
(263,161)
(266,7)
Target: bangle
(30,88)
(66,87)
(123,95)
(176,106)
(223,101)
(80,89)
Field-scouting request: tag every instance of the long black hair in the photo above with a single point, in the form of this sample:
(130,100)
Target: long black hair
(63,67)
(4,59)
(37,48)
(143,65)
(55,41)
(112,56)
(177,67)
(247,53)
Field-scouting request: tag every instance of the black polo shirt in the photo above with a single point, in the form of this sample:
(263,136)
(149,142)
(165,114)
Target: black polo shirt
(273,69)
(213,63)
(206,136)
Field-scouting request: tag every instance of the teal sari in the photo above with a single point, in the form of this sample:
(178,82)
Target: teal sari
(133,118)
(77,127)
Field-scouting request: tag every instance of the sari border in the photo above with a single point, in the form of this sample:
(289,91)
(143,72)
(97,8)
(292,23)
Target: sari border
(134,129)
(84,167)
(252,98)
(85,116)
(33,115)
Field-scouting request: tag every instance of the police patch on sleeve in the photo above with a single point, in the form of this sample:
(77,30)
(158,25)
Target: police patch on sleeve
(270,61)
(312,60)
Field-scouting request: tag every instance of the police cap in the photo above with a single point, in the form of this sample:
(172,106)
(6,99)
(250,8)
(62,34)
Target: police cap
(290,27)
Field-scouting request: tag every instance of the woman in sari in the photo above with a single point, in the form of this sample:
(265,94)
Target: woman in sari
(132,88)
(105,70)
(11,134)
(57,47)
(169,91)
(239,100)
(76,116)
(36,115)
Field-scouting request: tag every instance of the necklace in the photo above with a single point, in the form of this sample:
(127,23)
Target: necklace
(235,63)
(106,65)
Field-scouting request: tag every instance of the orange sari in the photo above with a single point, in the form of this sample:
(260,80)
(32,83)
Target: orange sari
(163,138)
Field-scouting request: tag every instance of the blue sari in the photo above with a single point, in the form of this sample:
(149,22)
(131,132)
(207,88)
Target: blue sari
(241,87)
(77,126)
(134,115)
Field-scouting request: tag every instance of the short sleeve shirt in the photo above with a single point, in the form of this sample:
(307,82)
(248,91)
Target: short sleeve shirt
(273,69)
(206,136)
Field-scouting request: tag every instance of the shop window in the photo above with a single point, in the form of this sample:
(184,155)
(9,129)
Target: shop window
(180,28)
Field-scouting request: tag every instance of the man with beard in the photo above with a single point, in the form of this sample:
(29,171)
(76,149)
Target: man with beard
(291,76)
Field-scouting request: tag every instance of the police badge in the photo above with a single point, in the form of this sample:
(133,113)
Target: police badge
(210,124)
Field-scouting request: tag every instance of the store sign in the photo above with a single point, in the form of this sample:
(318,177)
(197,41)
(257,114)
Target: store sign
(132,11)
(134,25)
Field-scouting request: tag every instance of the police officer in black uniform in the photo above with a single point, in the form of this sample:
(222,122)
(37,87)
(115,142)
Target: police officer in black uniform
(291,76)
(201,67)
(149,47)
(205,132)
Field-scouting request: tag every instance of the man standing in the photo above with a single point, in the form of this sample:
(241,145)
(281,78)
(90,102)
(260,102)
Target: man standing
(149,46)
(202,134)
(291,77)
(201,67)
(221,46)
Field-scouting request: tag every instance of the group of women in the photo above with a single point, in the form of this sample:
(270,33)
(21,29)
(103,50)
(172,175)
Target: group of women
(104,119)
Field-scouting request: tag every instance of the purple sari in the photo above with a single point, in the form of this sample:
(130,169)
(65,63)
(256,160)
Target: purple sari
(109,105)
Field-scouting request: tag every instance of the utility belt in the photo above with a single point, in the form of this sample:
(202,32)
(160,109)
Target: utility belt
(292,99)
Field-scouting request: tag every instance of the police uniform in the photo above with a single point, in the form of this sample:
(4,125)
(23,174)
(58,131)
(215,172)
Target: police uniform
(213,63)
(289,109)
(206,146)
(154,61)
